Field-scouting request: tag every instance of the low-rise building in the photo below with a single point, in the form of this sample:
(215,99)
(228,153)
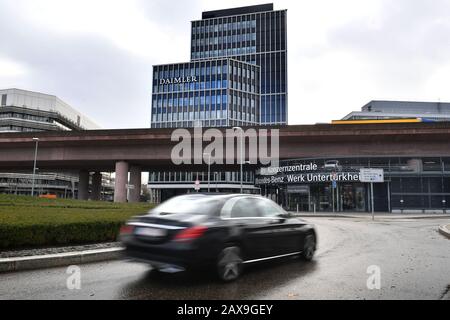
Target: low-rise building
(384,110)
(27,111)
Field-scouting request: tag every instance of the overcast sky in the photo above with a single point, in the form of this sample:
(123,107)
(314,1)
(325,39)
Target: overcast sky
(97,55)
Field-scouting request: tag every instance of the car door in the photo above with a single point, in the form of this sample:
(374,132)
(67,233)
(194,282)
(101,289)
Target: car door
(285,235)
(254,231)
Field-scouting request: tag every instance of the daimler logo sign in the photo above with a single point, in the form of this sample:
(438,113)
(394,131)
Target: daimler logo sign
(178,80)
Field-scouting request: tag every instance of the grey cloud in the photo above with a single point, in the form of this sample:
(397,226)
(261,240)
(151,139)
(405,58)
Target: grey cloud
(406,28)
(405,47)
(172,14)
(107,84)
(113,86)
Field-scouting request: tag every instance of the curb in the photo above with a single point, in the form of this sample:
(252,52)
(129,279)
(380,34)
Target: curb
(59,259)
(444,231)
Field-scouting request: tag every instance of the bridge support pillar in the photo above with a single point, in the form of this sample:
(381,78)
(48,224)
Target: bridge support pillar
(135,180)
(120,189)
(83,185)
(96,186)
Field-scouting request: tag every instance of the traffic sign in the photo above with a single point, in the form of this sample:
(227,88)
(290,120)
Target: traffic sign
(371,175)
(130,187)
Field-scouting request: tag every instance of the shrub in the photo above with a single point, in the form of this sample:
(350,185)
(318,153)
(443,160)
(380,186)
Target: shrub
(33,222)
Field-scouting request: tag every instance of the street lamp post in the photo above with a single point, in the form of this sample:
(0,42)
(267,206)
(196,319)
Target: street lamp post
(242,154)
(34,166)
(209,170)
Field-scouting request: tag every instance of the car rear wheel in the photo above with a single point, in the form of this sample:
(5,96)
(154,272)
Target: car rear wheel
(309,247)
(229,264)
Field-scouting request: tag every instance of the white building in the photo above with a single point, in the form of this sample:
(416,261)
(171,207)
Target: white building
(27,111)
(22,110)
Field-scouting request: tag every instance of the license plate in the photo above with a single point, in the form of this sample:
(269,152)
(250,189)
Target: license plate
(150,232)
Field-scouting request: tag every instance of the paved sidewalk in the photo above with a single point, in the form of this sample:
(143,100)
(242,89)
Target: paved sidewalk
(50,260)
(57,250)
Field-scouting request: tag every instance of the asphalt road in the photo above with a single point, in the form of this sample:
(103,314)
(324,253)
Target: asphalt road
(414,261)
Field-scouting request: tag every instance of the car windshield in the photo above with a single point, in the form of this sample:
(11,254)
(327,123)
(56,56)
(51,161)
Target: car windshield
(198,205)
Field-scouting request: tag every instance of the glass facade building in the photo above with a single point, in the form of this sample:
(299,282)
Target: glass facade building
(256,35)
(411,184)
(237,76)
(167,184)
(215,93)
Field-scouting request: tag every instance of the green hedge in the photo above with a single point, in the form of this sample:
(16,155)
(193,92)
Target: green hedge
(32,222)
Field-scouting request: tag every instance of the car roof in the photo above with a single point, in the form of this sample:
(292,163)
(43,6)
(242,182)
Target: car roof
(223,196)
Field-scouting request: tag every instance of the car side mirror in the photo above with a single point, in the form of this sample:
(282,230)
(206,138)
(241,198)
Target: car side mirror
(283,217)
(277,220)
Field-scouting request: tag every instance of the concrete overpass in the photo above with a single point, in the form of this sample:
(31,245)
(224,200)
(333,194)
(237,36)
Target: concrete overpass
(136,150)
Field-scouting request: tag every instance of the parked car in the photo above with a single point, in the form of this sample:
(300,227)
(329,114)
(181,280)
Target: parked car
(221,232)
(332,165)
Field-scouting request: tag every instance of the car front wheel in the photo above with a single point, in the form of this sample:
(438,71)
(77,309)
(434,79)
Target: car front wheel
(309,247)
(229,264)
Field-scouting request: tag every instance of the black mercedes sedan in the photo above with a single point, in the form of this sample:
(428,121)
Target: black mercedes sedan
(224,232)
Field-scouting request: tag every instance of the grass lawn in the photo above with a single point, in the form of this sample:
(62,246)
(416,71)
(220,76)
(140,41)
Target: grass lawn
(34,222)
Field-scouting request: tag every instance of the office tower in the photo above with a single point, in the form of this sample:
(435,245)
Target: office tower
(254,34)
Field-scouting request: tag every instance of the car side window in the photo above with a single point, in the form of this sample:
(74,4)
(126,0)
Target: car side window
(267,208)
(244,208)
